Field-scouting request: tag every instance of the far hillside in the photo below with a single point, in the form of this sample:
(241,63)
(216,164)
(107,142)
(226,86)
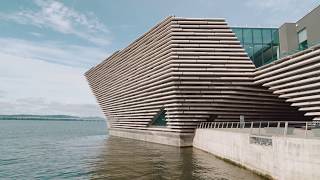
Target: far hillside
(49,117)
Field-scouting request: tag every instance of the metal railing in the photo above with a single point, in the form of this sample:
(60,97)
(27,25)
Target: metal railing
(266,127)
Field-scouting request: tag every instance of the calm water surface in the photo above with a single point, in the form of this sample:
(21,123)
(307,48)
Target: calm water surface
(83,150)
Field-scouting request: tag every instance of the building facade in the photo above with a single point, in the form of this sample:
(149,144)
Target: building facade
(261,44)
(295,79)
(302,34)
(265,45)
(185,71)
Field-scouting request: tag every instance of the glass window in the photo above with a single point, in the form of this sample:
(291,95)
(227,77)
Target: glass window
(267,53)
(302,35)
(238,32)
(303,45)
(257,57)
(302,39)
(266,34)
(160,119)
(257,36)
(249,50)
(275,52)
(247,36)
(261,44)
(275,36)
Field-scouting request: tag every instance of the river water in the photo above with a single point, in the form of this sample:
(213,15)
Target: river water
(83,150)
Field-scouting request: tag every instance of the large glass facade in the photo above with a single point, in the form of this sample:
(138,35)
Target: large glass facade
(261,44)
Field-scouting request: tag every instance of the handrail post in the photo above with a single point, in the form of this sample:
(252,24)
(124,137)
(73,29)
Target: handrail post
(285,129)
(278,127)
(251,127)
(259,127)
(231,124)
(222,124)
(306,130)
(227,124)
(268,124)
(214,126)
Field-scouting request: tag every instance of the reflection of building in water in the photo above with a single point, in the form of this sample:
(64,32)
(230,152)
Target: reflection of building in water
(130,159)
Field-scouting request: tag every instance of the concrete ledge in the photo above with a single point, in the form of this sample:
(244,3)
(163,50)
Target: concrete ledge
(284,158)
(161,137)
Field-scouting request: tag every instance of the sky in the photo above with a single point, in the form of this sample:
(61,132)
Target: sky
(47,46)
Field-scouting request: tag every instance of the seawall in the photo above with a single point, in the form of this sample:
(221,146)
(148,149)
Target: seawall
(155,136)
(280,157)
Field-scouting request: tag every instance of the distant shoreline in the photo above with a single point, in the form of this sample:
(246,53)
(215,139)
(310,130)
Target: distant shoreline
(51,120)
(25,117)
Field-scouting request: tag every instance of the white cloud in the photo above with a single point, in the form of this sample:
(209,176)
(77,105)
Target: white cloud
(276,12)
(55,52)
(36,34)
(58,17)
(42,107)
(2,93)
(31,85)
(275,5)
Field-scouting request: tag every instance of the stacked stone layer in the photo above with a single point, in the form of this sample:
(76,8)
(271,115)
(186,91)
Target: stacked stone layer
(195,69)
(296,79)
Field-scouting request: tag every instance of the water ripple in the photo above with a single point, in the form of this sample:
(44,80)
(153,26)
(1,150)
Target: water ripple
(82,150)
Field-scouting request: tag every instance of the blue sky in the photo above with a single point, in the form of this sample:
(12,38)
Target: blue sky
(46,46)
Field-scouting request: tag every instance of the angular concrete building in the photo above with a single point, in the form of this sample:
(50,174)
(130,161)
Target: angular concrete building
(186,71)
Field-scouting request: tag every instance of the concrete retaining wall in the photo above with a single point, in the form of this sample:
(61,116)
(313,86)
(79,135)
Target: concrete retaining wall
(287,158)
(161,137)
